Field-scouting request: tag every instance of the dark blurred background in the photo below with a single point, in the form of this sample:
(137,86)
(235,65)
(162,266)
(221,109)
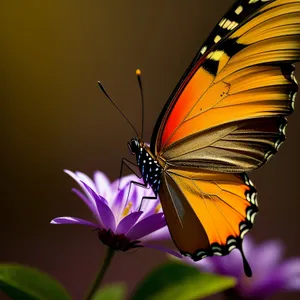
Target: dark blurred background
(54,117)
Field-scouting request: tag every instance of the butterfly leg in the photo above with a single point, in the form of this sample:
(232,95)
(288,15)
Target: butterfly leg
(134,169)
(148,198)
(145,186)
(131,166)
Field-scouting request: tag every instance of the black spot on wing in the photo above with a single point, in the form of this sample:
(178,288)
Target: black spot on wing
(231,47)
(211,66)
(240,13)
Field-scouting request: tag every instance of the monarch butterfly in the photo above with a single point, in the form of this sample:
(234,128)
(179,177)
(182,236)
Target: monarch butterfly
(225,117)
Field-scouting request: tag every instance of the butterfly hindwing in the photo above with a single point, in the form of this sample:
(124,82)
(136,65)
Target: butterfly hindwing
(208,213)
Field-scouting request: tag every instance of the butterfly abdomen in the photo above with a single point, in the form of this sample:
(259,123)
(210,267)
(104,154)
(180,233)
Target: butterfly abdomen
(149,167)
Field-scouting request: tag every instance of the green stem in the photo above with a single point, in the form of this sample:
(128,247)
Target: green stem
(109,255)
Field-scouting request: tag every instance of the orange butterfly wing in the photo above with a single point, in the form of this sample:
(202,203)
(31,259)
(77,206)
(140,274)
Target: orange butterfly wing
(225,117)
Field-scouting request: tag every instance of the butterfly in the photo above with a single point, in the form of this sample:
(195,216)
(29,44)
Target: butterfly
(226,116)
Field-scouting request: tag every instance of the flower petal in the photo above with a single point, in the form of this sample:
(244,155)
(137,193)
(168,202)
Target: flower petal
(163,249)
(71,220)
(86,179)
(205,265)
(134,195)
(122,182)
(103,185)
(230,264)
(265,257)
(290,273)
(105,213)
(160,234)
(119,203)
(147,226)
(149,205)
(126,223)
(92,206)
(264,284)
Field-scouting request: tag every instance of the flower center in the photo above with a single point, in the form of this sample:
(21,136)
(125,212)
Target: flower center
(118,242)
(157,208)
(126,210)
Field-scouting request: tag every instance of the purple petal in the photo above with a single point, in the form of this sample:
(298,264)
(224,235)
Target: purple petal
(92,204)
(263,286)
(149,205)
(134,195)
(248,246)
(206,265)
(293,284)
(71,220)
(86,179)
(160,234)
(290,273)
(106,215)
(126,223)
(103,185)
(231,264)
(141,192)
(147,226)
(119,203)
(266,279)
(266,257)
(163,249)
(286,276)
(124,181)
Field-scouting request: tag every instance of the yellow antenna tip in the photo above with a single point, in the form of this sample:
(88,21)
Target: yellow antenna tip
(138,72)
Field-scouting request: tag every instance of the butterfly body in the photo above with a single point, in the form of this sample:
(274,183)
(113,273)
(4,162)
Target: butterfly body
(149,167)
(226,116)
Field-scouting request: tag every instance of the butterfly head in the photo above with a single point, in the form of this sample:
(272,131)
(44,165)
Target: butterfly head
(134,145)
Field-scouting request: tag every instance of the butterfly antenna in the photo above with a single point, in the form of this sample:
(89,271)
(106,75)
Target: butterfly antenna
(138,74)
(105,93)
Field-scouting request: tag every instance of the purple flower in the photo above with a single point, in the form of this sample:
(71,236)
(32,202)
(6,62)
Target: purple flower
(119,220)
(270,273)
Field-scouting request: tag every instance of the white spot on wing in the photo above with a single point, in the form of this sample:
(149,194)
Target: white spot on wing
(217,39)
(239,10)
(243,233)
(231,248)
(203,49)
(242,227)
(232,25)
(294,78)
(252,217)
(226,24)
(216,55)
(222,22)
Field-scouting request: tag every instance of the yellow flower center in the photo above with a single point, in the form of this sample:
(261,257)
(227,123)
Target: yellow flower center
(126,210)
(157,208)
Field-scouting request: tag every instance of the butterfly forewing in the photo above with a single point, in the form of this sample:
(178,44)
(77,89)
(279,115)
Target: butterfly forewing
(255,82)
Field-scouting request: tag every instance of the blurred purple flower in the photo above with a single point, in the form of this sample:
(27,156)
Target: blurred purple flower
(270,273)
(119,222)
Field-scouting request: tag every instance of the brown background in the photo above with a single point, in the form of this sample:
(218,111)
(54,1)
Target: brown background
(55,117)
